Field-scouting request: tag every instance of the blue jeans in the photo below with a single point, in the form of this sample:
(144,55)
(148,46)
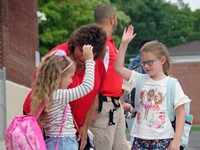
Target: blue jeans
(65,143)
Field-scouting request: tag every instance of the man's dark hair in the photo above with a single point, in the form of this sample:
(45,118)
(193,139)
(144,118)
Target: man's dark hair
(89,34)
(102,12)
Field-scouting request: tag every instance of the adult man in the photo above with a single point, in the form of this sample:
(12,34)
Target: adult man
(95,36)
(109,126)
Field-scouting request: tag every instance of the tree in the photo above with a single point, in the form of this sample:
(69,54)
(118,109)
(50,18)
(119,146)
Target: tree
(64,16)
(172,24)
(195,34)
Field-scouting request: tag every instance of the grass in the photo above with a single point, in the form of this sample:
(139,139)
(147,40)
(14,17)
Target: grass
(127,131)
(196,128)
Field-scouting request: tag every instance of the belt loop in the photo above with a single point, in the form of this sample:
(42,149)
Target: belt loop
(114,103)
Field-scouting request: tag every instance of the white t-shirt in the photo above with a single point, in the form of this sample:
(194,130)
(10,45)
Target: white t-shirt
(152,121)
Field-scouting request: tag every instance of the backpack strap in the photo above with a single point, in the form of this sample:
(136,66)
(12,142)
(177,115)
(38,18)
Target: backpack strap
(171,84)
(187,108)
(63,118)
(63,121)
(37,114)
(140,83)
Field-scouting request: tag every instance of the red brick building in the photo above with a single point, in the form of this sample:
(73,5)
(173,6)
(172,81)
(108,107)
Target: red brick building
(18,39)
(18,50)
(186,68)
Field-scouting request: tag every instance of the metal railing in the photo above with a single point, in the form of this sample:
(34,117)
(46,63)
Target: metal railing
(3,115)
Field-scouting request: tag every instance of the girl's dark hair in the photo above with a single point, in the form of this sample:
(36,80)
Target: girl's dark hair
(89,34)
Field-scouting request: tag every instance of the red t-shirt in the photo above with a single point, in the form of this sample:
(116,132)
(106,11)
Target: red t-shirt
(113,83)
(79,107)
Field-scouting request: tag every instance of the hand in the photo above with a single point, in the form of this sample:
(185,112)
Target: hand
(128,34)
(128,107)
(174,145)
(88,52)
(83,137)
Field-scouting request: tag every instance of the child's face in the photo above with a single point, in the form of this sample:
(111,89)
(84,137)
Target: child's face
(151,64)
(66,80)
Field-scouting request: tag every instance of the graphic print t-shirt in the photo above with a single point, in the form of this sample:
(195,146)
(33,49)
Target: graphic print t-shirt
(152,121)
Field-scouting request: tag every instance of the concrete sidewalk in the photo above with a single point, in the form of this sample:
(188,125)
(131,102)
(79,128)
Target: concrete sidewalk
(194,141)
(2,145)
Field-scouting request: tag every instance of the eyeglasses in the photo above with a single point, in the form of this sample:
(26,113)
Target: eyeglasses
(148,62)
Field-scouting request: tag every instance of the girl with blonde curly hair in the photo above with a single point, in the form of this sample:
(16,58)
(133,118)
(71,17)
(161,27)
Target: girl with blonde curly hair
(50,87)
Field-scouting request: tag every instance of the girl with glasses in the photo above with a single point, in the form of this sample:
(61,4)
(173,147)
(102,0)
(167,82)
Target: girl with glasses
(152,128)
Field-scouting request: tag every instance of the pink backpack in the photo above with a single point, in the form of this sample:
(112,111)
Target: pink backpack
(24,133)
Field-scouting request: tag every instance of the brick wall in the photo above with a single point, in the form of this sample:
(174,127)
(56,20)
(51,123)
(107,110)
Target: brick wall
(19,39)
(1,35)
(188,75)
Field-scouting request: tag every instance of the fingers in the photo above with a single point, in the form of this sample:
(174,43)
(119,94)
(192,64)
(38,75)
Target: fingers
(88,52)
(83,143)
(130,29)
(87,47)
(128,33)
(79,137)
(125,30)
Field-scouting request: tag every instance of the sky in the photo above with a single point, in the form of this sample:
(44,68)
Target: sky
(193,4)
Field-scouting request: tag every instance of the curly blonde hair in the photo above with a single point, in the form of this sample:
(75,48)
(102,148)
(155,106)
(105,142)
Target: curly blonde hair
(48,79)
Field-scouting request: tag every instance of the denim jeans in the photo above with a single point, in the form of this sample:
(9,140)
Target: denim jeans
(64,143)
